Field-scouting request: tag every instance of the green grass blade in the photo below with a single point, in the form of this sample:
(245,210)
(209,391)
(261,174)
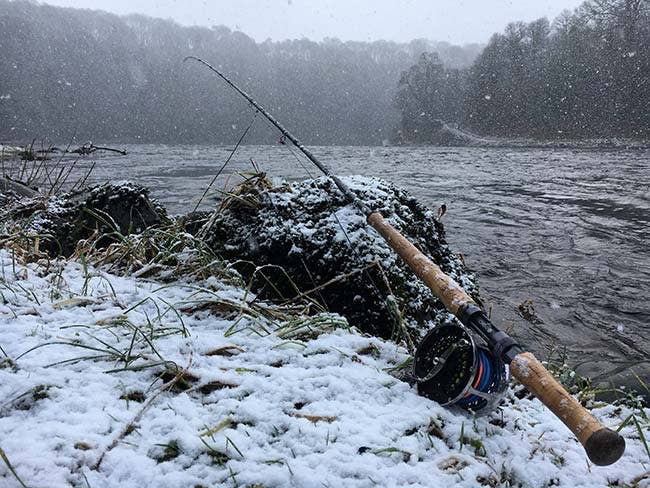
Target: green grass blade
(11,468)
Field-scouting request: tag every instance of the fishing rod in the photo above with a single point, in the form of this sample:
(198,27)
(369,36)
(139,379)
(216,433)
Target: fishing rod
(449,366)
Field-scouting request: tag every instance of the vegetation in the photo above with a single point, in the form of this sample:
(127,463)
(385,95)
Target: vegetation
(111,78)
(240,405)
(586,74)
(428,95)
(89,73)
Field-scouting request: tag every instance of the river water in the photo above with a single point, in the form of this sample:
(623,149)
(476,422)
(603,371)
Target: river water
(568,229)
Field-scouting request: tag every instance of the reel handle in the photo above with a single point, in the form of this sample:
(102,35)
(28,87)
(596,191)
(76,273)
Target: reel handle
(603,445)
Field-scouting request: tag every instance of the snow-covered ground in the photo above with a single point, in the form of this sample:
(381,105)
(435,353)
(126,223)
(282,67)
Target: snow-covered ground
(109,381)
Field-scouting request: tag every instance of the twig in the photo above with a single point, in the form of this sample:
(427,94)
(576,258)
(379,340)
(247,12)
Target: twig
(81,182)
(119,151)
(232,153)
(56,165)
(330,282)
(65,178)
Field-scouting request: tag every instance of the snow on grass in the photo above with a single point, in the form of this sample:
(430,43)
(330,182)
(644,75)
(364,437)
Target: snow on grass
(112,381)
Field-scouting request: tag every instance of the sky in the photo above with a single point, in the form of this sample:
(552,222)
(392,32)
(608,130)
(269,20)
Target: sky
(455,21)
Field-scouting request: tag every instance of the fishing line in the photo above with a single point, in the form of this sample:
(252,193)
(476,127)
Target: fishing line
(300,162)
(232,153)
(357,255)
(354,250)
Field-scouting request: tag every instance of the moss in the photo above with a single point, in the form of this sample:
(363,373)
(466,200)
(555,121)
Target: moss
(107,211)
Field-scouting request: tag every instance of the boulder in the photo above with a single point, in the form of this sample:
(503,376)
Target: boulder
(106,211)
(313,244)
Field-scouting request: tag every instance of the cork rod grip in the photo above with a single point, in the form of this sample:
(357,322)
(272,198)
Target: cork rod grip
(603,445)
(446,289)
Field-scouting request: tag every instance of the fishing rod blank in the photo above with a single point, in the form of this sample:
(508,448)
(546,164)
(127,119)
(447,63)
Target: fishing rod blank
(602,445)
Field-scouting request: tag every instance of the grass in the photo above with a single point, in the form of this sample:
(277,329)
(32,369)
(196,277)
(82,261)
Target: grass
(170,450)
(5,459)
(404,455)
(164,253)
(36,168)
(211,431)
(305,328)
(585,391)
(130,344)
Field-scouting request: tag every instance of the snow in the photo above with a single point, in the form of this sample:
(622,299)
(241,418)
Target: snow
(262,402)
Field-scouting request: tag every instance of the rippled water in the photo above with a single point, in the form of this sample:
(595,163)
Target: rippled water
(568,229)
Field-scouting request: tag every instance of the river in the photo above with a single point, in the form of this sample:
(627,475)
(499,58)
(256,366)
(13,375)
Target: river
(568,229)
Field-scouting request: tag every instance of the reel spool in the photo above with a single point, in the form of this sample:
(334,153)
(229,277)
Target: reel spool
(453,370)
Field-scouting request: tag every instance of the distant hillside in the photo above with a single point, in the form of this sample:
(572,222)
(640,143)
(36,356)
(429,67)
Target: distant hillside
(67,71)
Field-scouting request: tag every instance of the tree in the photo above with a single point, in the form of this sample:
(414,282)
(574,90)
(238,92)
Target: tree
(586,76)
(507,83)
(428,94)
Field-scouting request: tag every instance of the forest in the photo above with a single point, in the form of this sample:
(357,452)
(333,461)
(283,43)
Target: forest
(103,77)
(586,74)
(94,75)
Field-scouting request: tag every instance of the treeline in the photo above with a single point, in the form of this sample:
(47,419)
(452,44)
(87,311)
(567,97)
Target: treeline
(102,77)
(586,74)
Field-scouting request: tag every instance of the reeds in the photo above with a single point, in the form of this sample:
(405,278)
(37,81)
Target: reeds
(39,168)
(5,459)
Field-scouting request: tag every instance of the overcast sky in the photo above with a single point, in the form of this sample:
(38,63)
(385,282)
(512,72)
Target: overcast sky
(456,21)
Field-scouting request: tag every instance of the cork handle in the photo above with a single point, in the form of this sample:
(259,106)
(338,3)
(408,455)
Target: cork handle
(446,289)
(603,445)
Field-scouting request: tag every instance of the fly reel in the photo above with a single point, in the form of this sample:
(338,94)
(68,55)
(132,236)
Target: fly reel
(451,369)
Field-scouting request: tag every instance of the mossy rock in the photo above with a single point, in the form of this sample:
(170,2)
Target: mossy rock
(309,232)
(104,211)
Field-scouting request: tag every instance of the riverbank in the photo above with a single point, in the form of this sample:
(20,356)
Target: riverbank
(452,135)
(171,371)
(108,378)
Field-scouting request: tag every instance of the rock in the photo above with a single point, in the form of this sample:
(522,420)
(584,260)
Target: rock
(110,210)
(127,204)
(307,231)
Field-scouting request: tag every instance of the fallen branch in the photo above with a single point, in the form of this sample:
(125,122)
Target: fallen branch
(90,148)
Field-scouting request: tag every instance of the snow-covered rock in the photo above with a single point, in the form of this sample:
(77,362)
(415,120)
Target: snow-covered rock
(309,237)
